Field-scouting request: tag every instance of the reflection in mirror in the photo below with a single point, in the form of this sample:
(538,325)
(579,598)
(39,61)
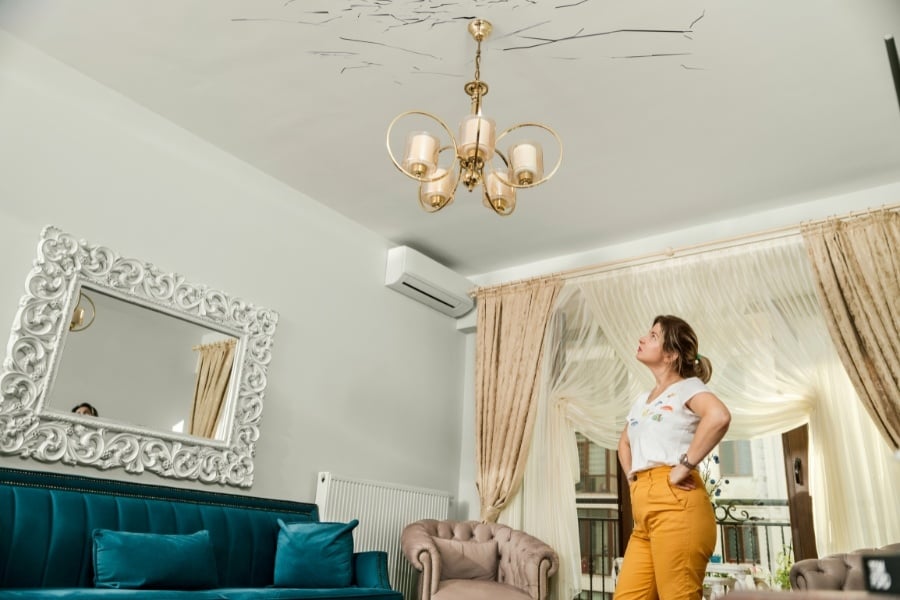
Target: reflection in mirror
(177,371)
(139,367)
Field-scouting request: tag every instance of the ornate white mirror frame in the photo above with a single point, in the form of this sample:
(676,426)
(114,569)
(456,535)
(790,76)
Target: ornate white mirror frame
(30,429)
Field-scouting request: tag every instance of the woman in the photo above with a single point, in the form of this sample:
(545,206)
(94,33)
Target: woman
(670,430)
(85,409)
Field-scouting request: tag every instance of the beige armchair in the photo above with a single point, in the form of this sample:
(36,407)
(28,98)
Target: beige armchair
(477,561)
(835,572)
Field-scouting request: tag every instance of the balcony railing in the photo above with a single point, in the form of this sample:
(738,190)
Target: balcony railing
(599,537)
(750,531)
(753,531)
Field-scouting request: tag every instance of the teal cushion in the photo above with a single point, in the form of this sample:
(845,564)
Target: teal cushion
(127,560)
(314,555)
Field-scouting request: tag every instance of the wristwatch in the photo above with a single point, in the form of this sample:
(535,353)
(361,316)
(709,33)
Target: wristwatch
(683,460)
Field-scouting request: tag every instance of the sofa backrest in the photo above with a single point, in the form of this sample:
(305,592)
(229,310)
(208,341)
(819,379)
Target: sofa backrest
(834,572)
(47,519)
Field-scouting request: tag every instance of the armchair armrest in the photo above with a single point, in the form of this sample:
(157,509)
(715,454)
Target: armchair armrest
(423,555)
(828,573)
(370,569)
(530,564)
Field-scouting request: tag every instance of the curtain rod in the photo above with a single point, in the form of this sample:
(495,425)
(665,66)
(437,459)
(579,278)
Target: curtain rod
(699,248)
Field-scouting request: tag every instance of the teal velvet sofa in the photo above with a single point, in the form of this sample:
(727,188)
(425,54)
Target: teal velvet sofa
(51,525)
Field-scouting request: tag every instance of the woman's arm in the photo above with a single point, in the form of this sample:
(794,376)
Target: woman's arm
(714,421)
(625,451)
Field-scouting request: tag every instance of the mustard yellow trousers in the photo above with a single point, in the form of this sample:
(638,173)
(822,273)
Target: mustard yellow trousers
(674,535)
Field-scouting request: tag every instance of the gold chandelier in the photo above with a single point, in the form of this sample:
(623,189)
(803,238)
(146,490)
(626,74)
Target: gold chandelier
(523,163)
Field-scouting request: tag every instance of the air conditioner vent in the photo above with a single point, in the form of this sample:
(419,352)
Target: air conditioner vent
(415,290)
(423,279)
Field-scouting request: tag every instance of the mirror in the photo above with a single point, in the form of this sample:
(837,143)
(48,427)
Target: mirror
(175,371)
(136,366)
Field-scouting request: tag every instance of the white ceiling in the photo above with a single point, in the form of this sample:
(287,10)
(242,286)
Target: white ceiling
(672,114)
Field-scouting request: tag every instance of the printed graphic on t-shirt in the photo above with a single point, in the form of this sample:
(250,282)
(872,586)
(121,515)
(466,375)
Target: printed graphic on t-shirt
(656,410)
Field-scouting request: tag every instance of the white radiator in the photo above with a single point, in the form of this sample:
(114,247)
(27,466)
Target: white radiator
(383,510)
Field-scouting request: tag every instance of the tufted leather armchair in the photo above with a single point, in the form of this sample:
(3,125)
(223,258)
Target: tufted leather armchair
(835,572)
(477,561)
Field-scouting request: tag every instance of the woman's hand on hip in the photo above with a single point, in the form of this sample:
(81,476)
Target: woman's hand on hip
(680,476)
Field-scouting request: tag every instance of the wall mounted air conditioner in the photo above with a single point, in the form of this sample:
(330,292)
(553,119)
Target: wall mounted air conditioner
(415,275)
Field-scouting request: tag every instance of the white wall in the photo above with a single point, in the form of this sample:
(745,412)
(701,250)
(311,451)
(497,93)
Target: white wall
(468,502)
(363,382)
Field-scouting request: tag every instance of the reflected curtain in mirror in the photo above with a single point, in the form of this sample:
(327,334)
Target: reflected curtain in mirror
(213,375)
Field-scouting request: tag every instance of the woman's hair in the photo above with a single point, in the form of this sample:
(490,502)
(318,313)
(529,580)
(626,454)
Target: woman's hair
(679,337)
(91,410)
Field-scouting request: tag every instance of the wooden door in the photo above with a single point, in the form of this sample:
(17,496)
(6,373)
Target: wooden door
(795,444)
(626,518)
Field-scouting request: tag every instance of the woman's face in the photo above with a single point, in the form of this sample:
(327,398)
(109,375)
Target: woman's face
(83,410)
(650,347)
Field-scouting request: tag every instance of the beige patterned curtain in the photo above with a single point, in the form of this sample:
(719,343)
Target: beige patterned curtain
(212,382)
(856,263)
(510,341)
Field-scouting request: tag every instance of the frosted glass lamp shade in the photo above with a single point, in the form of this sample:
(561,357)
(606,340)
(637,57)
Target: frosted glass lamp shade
(498,195)
(435,195)
(526,163)
(421,155)
(77,318)
(476,127)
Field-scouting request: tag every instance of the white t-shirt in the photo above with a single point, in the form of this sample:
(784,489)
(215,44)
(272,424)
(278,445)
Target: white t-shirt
(661,431)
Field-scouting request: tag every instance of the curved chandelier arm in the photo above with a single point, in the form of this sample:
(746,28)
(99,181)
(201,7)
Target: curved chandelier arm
(550,174)
(433,118)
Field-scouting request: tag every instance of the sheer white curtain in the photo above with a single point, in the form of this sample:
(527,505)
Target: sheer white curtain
(755,313)
(587,388)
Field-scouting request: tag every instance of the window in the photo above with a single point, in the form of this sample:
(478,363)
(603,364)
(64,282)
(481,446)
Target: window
(598,468)
(735,459)
(596,496)
(741,543)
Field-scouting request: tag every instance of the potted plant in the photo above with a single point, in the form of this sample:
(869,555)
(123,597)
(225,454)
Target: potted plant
(784,560)
(710,480)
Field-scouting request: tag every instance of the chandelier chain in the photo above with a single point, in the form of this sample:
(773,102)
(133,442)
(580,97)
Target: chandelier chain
(478,62)
(478,85)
